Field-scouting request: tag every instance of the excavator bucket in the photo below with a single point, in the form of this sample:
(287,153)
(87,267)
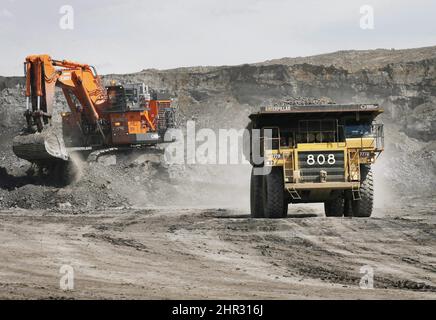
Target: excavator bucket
(43,146)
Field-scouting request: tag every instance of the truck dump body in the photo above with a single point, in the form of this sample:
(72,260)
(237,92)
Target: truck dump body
(334,110)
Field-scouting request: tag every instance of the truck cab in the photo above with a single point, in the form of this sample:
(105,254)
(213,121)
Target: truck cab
(315,153)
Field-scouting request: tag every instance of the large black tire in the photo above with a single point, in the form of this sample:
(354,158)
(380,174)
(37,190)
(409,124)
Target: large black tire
(285,208)
(363,207)
(256,195)
(347,204)
(335,206)
(273,193)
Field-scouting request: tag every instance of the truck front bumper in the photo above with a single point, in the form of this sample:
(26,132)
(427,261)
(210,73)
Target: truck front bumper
(323,185)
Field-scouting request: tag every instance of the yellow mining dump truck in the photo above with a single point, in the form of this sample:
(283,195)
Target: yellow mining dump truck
(314,153)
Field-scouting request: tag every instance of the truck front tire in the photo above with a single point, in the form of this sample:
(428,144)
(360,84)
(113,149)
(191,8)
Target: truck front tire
(273,194)
(363,208)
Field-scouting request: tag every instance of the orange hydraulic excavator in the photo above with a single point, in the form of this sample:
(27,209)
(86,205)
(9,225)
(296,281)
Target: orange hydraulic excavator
(99,118)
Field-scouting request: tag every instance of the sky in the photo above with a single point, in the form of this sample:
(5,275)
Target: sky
(123,36)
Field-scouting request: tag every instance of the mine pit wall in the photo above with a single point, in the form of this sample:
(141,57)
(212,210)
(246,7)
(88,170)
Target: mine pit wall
(222,97)
(407,91)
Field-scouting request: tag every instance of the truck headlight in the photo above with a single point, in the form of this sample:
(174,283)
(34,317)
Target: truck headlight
(354,173)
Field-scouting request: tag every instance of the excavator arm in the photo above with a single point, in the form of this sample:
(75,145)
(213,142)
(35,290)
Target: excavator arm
(80,80)
(84,94)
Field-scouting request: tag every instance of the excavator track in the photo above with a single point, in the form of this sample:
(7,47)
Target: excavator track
(41,147)
(96,154)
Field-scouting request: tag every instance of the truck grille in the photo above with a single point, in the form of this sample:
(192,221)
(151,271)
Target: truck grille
(312,162)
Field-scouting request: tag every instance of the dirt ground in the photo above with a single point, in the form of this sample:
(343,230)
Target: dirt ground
(173,253)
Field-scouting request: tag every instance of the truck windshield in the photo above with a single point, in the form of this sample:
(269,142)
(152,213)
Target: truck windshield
(358,130)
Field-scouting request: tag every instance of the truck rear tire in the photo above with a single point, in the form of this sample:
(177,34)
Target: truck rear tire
(285,207)
(256,195)
(273,194)
(335,206)
(363,208)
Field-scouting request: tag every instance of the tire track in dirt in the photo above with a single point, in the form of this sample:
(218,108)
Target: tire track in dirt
(214,253)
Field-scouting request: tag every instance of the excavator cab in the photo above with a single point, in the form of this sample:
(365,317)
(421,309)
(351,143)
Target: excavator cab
(116,98)
(137,96)
(128,97)
(131,120)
